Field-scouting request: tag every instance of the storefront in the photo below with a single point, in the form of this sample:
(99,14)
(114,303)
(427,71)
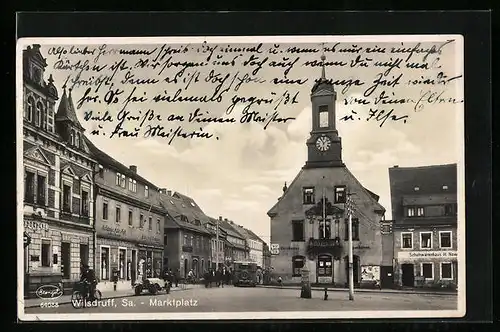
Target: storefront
(55,252)
(426,269)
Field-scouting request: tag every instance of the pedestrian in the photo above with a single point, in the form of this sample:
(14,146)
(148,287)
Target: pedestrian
(176,277)
(280,281)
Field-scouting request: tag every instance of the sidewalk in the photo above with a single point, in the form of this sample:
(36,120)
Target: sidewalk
(365,290)
(66,299)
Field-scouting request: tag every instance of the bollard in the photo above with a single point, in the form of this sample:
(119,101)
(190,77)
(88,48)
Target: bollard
(305,291)
(325,297)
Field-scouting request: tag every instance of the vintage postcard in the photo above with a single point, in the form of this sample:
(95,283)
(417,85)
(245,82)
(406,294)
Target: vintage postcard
(241,177)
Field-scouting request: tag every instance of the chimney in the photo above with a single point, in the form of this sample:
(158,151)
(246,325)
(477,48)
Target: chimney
(396,166)
(133,168)
(220,218)
(225,219)
(169,192)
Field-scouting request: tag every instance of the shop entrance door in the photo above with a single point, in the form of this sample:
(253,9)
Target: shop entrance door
(66,259)
(134,266)
(408,275)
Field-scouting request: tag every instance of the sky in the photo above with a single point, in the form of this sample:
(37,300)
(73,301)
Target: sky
(240,176)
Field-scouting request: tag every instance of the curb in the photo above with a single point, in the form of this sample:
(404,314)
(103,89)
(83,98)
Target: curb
(110,297)
(365,290)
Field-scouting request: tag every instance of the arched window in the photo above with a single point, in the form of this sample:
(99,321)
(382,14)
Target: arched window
(72,137)
(39,114)
(28,111)
(297,265)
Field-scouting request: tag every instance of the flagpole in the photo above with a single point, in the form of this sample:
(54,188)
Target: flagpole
(351,265)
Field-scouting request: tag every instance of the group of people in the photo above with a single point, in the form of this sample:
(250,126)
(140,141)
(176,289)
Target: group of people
(220,277)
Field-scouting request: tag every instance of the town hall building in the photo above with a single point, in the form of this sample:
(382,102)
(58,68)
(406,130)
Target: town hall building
(309,221)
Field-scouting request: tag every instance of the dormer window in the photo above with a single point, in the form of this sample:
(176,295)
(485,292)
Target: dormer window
(416,188)
(72,137)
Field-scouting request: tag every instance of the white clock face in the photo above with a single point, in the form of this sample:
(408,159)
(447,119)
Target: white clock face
(323,143)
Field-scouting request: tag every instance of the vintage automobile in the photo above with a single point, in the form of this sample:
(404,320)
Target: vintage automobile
(152,285)
(244,274)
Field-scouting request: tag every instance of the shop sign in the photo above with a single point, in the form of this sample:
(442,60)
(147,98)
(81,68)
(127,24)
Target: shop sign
(36,225)
(117,231)
(427,254)
(149,238)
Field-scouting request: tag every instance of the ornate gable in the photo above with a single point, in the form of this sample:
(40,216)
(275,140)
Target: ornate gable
(37,154)
(68,170)
(330,209)
(86,177)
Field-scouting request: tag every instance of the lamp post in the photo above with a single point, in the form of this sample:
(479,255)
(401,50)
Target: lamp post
(351,264)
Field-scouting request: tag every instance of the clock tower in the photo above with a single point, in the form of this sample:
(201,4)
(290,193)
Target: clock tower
(324,146)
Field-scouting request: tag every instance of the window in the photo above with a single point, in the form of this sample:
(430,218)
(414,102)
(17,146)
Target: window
(72,137)
(340,194)
(118,215)
(158,226)
(104,263)
(445,187)
(46,253)
(428,270)
(40,188)
(122,263)
(323,116)
(355,229)
(407,240)
(28,111)
(425,240)
(39,115)
(150,226)
(118,179)
(446,271)
(84,253)
(78,140)
(29,187)
(165,239)
(420,212)
(308,195)
(105,211)
(123,181)
(450,210)
(146,191)
(130,218)
(141,221)
(130,184)
(191,242)
(416,188)
(185,240)
(445,239)
(66,198)
(325,230)
(101,171)
(410,212)
(297,265)
(297,230)
(85,203)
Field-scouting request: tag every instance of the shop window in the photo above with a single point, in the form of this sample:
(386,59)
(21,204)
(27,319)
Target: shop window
(122,263)
(105,211)
(308,195)
(428,270)
(297,265)
(340,194)
(445,239)
(104,263)
(446,271)
(407,240)
(46,253)
(297,230)
(425,240)
(29,187)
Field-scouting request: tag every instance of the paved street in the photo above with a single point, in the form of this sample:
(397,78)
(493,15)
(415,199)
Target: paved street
(233,299)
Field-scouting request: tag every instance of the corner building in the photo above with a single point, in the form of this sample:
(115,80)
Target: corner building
(309,221)
(424,209)
(58,182)
(129,224)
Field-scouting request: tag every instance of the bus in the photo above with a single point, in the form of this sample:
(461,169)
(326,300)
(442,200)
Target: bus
(244,273)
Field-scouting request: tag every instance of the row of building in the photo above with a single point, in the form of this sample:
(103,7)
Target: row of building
(83,206)
(309,222)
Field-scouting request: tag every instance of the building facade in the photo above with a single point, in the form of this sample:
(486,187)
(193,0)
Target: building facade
(58,181)
(221,256)
(256,248)
(309,221)
(186,241)
(266,253)
(424,209)
(129,224)
(237,243)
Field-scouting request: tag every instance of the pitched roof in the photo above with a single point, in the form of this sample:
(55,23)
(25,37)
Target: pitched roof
(176,208)
(254,236)
(108,161)
(429,180)
(189,201)
(66,110)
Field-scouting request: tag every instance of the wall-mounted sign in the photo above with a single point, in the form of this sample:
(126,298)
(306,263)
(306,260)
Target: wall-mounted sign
(427,254)
(274,246)
(36,225)
(150,238)
(370,273)
(117,231)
